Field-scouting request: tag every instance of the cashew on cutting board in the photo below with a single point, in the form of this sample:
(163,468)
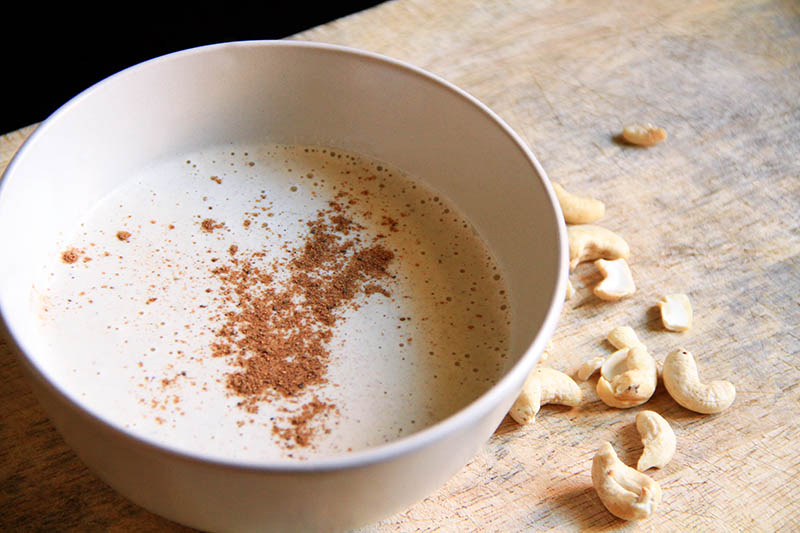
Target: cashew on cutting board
(625,492)
(683,384)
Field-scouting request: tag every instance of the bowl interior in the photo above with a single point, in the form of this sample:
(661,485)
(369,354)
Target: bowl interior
(245,94)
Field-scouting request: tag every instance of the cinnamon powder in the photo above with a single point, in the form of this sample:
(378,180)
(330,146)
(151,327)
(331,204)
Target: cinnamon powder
(209,225)
(277,332)
(70,256)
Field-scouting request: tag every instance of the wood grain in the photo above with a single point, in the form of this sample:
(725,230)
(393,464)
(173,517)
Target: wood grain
(712,212)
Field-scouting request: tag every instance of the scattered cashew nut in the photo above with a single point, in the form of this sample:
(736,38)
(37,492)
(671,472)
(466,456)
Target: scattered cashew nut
(683,384)
(578,209)
(623,337)
(588,242)
(658,440)
(625,492)
(676,312)
(544,385)
(617,280)
(589,367)
(628,378)
(643,134)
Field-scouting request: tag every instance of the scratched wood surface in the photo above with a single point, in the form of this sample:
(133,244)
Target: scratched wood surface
(712,212)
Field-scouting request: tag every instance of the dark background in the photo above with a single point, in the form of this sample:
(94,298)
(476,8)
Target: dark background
(48,57)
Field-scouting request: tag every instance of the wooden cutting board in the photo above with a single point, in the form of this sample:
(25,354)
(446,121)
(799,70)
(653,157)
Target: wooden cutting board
(711,212)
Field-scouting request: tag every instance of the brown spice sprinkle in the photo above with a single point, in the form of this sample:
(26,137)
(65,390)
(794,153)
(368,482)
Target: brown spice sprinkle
(277,333)
(210,225)
(389,221)
(123,235)
(300,430)
(372,289)
(70,256)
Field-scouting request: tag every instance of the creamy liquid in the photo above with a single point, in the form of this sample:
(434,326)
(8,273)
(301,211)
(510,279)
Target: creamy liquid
(132,322)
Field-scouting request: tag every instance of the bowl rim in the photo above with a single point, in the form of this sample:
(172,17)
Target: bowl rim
(386,452)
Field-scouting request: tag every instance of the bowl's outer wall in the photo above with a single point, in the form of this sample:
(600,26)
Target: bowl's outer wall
(292,93)
(213,497)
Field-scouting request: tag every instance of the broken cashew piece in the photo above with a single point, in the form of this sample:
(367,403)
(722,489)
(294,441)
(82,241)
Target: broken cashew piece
(578,209)
(544,385)
(627,378)
(617,280)
(643,134)
(588,242)
(589,367)
(623,337)
(625,492)
(683,384)
(658,440)
(676,312)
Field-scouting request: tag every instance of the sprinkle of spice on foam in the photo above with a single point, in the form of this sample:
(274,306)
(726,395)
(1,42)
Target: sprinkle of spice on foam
(274,318)
(278,332)
(70,256)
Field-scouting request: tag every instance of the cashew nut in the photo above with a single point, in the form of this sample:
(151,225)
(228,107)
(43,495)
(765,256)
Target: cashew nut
(544,385)
(676,312)
(623,337)
(578,209)
(626,493)
(589,367)
(588,242)
(627,378)
(658,439)
(683,384)
(617,280)
(643,134)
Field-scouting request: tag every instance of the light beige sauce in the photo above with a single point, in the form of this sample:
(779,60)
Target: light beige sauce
(132,327)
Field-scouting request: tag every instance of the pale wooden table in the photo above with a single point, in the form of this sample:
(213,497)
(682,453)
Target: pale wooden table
(712,212)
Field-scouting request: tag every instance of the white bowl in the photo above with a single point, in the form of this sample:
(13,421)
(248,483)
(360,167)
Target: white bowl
(290,92)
